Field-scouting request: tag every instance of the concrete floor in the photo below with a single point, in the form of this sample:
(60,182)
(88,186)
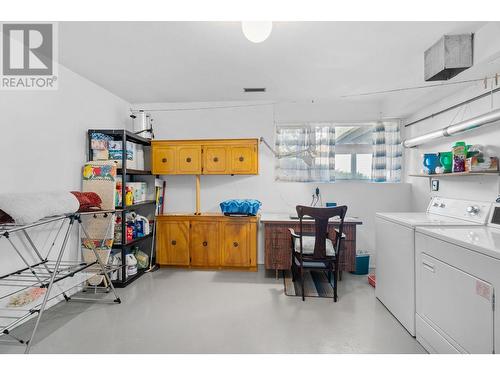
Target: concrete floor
(181,311)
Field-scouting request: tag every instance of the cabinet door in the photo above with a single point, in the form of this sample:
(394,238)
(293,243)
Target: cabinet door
(204,244)
(161,242)
(243,159)
(177,243)
(235,251)
(189,159)
(215,160)
(163,160)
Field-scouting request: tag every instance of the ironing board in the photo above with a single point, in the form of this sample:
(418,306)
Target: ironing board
(25,292)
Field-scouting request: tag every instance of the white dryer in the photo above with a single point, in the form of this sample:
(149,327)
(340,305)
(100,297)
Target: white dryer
(457,278)
(395,249)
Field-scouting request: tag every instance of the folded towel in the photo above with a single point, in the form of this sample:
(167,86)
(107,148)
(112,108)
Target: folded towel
(27,208)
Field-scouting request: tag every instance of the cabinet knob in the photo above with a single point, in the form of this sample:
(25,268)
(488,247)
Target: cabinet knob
(241,158)
(188,160)
(205,243)
(216,159)
(164,160)
(174,242)
(235,244)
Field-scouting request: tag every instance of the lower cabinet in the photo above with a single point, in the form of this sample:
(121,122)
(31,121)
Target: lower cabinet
(204,244)
(173,243)
(235,248)
(207,241)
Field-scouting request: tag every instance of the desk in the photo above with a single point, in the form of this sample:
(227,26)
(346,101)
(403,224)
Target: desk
(277,240)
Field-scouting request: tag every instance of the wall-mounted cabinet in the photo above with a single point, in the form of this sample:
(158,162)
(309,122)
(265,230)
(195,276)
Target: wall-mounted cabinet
(214,156)
(207,241)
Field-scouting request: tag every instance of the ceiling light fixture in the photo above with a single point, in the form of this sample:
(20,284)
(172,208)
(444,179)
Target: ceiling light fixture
(256,31)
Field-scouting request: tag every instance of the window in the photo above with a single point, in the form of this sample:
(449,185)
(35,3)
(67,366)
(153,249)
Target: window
(325,152)
(353,152)
(306,153)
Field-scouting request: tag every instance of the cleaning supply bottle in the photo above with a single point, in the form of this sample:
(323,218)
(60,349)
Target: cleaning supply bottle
(142,226)
(129,197)
(459,152)
(131,264)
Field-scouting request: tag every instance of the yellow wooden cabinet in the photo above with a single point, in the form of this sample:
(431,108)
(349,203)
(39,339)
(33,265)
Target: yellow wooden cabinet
(243,159)
(209,156)
(215,160)
(204,244)
(188,159)
(163,158)
(208,240)
(173,242)
(235,249)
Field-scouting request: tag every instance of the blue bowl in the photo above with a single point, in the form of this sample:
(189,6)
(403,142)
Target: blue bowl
(248,207)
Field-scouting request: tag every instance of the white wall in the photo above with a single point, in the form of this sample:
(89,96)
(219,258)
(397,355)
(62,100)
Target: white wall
(363,199)
(43,141)
(475,187)
(486,54)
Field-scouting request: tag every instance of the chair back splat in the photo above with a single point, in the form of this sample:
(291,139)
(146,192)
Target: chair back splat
(321,216)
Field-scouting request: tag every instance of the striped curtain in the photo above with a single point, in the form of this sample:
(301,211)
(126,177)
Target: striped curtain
(387,152)
(307,152)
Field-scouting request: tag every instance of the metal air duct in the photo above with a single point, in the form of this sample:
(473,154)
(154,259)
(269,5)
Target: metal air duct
(473,123)
(449,56)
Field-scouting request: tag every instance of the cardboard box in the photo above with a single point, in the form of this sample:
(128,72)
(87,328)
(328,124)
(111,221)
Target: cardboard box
(139,190)
(475,164)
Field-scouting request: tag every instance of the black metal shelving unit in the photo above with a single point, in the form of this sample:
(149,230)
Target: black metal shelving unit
(146,207)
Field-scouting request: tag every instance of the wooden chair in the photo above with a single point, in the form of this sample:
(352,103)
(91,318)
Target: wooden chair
(317,250)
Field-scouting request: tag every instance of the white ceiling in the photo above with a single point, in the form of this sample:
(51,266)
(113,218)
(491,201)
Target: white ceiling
(212,61)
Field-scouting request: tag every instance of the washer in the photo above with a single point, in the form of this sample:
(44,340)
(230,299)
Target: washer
(395,249)
(457,278)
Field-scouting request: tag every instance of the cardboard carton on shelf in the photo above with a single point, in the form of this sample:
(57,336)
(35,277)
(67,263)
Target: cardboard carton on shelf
(476,164)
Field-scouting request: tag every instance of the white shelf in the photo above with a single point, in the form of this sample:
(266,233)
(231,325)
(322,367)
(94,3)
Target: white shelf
(456,174)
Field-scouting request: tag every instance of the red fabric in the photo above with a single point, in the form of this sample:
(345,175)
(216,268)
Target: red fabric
(371,279)
(5,218)
(89,201)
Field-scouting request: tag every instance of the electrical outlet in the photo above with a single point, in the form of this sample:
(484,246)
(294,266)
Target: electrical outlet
(435,185)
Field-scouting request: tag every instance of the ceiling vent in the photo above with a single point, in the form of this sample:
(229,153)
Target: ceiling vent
(449,56)
(254,89)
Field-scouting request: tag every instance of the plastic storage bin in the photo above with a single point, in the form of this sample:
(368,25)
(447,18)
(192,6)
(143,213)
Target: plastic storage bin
(362,264)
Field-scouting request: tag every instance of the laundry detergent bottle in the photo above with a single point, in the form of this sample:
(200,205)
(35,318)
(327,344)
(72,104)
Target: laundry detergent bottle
(459,152)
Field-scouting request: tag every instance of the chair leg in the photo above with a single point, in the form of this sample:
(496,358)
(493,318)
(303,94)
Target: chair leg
(329,273)
(302,281)
(335,275)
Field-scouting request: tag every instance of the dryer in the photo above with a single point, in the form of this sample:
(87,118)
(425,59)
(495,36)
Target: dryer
(457,279)
(395,249)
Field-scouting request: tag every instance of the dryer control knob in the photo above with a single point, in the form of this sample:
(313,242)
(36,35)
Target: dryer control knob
(473,210)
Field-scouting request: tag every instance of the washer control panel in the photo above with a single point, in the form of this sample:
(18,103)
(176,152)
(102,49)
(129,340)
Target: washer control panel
(475,211)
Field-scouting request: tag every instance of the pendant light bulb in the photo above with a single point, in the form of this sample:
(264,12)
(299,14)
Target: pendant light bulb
(256,31)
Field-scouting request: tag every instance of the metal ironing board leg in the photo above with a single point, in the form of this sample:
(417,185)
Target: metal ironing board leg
(33,246)
(51,284)
(23,259)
